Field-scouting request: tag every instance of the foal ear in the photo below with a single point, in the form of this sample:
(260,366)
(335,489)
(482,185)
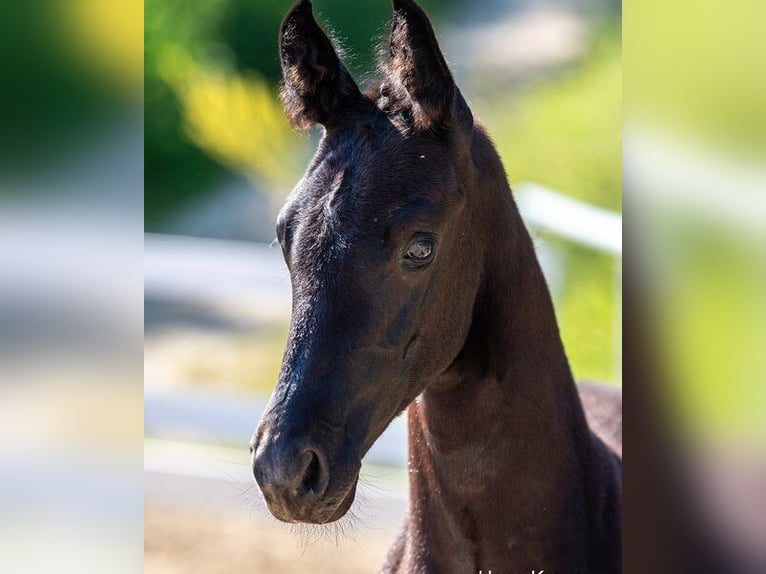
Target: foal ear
(418,64)
(318,89)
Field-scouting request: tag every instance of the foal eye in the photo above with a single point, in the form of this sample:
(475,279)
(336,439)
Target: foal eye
(420,251)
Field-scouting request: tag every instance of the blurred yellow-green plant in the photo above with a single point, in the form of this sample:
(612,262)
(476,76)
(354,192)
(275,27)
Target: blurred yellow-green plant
(67,69)
(707,80)
(111,35)
(234,117)
(712,317)
(566,133)
(228,39)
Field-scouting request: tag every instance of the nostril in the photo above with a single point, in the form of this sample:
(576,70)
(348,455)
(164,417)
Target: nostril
(311,475)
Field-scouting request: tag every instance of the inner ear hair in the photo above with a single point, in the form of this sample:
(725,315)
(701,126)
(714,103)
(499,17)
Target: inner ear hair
(418,66)
(317,87)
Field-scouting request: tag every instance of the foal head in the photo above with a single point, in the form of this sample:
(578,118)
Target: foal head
(383,248)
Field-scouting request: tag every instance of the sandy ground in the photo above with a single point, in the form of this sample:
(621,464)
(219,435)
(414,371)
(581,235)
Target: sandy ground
(200,542)
(205,542)
(204,515)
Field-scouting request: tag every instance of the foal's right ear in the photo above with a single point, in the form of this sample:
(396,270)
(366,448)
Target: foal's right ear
(318,89)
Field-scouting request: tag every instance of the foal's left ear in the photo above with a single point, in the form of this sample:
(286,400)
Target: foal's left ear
(318,89)
(418,64)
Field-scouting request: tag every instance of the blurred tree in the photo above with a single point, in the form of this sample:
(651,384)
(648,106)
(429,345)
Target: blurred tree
(175,170)
(236,119)
(53,90)
(110,35)
(235,41)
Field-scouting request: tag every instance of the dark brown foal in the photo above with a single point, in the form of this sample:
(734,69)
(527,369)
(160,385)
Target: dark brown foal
(416,286)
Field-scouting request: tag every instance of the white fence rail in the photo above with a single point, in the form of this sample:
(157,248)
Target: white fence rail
(571,219)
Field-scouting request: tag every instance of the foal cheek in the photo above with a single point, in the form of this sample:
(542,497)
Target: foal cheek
(442,333)
(401,324)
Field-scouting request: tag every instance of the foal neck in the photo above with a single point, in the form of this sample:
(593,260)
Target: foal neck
(500,451)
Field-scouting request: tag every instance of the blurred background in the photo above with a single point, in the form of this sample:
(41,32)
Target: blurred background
(544,76)
(71,305)
(694,144)
(101,100)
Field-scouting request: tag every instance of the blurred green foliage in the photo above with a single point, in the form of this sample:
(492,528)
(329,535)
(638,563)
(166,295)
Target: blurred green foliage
(566,133)
(708,81)
(237,119)
(234,39)
(712,319)
(66,69)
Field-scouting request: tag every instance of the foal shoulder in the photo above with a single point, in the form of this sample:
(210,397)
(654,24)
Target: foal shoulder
(603,410)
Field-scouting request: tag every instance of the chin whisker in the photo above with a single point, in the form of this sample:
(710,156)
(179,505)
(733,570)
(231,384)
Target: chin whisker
(335,533)
(369,483)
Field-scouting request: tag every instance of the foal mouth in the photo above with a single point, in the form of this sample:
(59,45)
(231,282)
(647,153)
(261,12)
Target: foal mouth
(343,506)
